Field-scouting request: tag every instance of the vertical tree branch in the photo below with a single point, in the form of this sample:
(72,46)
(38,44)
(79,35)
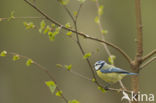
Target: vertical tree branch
(138,59)
(139,29)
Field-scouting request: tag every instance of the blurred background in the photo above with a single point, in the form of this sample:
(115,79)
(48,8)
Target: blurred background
(22,84)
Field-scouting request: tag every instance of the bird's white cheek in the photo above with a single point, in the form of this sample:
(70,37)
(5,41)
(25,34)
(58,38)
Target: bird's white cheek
(97,67)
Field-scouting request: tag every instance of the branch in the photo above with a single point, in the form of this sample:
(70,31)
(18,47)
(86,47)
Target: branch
(148,62)
(139,53)
(74,20)
(139,28)
(101,29)
(29,17)
(89,79)
(79,33)
(45,70)
(149,55)
(103,38)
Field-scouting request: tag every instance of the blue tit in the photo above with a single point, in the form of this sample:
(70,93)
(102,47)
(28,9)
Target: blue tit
(110,73)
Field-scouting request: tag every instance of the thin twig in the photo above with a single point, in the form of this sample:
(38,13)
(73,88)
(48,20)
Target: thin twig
(89,79)
(77,39)
(149,55)
(101,29)
(45,70)
(78,11)
(29,17)
(79,33)
(103,38)
(148,62)
(79,44)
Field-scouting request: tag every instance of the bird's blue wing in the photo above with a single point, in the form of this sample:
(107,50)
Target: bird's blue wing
(113,70)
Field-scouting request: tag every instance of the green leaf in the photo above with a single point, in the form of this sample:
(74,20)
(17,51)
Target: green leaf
(3,53)
(68,67)
(64,2)
(59,93)
(97,20)
(47,29)
(51,85)
(104,31)
(57,30)
(93,80)
(16,57)
(29,62)
(29,25)
(102,89)
(81,1)
(59,65)
(100,10)
(11,16)
(67,25)
(73,101)
(51,36)
(42,26)
(53,25)
(69,33)
(111,59)
(75,13)
(87,55)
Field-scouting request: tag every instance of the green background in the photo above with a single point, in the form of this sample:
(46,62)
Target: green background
(21,84)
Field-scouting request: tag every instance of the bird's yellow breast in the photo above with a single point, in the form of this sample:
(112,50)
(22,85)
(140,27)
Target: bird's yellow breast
(110,77)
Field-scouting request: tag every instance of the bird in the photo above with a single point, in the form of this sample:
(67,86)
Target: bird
(110,73)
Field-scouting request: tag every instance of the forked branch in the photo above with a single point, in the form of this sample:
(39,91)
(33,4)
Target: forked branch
(79,33)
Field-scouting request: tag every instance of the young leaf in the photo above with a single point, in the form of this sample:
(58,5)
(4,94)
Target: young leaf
(93,80)
(69,33)
(100,10)
(51,85)
(64,2)
(68,67)
(102,89)
(47,29)
(97,20)
(59,93)
(11,16)
(29,25)
(3,53)
(57,30)
(87,55)
(104,31)
(59,65)
(51,36)
(75,13)
(29,62)
(53,25)
(111,59)
(67,25)
(42,25)
(16,57)
(73,101)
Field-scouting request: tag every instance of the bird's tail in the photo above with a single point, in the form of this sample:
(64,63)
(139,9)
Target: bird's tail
(132,73)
